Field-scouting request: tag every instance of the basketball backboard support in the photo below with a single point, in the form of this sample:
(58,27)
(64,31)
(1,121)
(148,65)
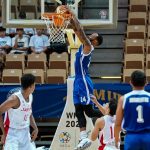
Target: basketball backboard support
(91,14)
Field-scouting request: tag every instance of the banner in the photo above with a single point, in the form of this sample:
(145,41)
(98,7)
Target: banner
(49,100)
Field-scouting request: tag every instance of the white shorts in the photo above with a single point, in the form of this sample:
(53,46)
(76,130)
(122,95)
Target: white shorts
(109,147)
(18,139)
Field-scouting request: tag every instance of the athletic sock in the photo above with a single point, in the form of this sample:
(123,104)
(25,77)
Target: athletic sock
(83,135)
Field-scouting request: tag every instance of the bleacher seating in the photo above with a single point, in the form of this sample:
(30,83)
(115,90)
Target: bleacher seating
(137,43)
(56,76)
(134,61)
(134,46)
(14,9)
(16,64)
(36,61)
(30,7)
(11,76)
(138,5)
(137,18)
(15,61)
(59,61)
(136,31)
(38,73)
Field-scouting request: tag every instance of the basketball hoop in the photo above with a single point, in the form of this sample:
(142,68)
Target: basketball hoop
(56,25)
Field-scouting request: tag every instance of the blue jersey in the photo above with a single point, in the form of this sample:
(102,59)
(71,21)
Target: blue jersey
(136,107)
(83,85)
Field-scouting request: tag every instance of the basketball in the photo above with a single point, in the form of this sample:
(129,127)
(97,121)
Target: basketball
(62,10)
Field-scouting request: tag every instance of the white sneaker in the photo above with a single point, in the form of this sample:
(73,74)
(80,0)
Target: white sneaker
(83,144)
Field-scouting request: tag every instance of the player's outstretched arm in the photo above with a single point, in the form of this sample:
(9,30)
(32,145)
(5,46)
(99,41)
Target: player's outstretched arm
(100,107)
(119,118)
(99,124)
(78,29)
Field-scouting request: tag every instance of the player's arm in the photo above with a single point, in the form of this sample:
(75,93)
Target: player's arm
(119,118)
(98,126)
(100,107)
(11,102)
(75,24)
(34,126)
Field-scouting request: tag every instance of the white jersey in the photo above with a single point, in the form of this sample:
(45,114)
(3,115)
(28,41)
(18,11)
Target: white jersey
(108,131)
(19,118)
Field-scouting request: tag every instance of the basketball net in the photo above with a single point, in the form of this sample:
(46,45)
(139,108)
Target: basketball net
(56,25)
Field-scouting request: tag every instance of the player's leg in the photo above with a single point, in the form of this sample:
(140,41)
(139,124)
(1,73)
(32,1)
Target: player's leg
(78,97)
(11,142)
(132,142)
(25,141)
(145,140)
(84,141)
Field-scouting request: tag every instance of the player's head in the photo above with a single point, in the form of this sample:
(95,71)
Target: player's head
(111,107)
(96,39)
(2,32)
(20,31)
(28,82)
(39,31)
(138,79)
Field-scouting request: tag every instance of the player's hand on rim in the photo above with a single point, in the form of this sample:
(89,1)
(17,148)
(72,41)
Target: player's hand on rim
(34,134)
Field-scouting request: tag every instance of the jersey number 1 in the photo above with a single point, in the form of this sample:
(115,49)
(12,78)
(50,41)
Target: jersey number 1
(140,118)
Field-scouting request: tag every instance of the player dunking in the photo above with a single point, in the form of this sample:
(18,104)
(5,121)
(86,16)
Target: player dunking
(83,85)
(105,126)
(18,117)
(133,111)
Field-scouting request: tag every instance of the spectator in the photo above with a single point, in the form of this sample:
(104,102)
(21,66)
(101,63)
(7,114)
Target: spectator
(5,45)
(5,41)
(20,42)
(39,42)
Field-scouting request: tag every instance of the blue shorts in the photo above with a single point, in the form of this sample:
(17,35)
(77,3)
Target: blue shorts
(82,91)
(137,141)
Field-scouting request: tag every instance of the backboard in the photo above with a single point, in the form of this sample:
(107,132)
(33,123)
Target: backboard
(91,13)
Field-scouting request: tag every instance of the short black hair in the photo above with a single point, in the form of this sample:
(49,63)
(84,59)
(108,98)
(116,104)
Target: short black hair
(99,39)
(138,78)
(112,107)
(2,29)
(19,29)
(27,80)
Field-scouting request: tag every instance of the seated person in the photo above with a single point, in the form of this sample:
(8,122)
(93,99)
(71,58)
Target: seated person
(5,45)
(20,42)
(5,41)
(39,42)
